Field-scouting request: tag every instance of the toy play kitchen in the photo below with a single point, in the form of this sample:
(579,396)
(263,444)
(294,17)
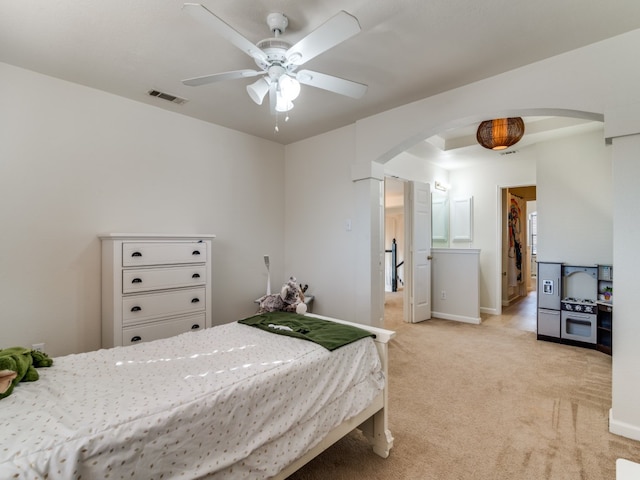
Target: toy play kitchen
(575,304)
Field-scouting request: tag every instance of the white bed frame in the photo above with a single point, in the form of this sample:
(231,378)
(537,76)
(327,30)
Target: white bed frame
(372,421)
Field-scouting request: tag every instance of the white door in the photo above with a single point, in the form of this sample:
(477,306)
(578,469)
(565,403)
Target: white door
(420,205)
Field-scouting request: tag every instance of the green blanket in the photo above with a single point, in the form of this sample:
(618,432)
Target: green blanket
(330,335)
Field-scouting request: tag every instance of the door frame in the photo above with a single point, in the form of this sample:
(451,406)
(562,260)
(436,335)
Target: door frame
(408,247)
(499,236)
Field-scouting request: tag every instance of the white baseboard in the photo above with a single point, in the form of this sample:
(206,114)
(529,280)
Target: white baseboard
(457,318)
(489,311)
(622,428)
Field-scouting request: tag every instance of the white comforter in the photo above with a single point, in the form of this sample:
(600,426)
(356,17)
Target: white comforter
(234,400)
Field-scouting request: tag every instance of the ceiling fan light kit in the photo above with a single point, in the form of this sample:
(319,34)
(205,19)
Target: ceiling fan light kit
(258,90)
(278,60)
(288,87)
(283,105)
(500,133)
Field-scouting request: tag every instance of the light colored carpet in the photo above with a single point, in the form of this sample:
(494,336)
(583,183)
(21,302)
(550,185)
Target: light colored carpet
(486,401)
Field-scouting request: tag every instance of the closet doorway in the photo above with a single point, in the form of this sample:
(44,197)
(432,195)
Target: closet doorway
(518,257)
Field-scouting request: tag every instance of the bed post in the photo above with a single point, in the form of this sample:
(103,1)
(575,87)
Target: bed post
(376,428)
(372,421)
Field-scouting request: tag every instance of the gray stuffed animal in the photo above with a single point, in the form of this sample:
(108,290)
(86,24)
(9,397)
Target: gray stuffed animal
(290,299)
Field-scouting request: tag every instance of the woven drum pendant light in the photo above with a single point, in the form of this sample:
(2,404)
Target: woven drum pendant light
(500,133)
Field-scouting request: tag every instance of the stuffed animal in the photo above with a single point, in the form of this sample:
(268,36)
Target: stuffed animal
(290,299)
(18,364)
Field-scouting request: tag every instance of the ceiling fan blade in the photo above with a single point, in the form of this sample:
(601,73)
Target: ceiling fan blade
(331,83)
(336,30)
(220,77)
(210,19)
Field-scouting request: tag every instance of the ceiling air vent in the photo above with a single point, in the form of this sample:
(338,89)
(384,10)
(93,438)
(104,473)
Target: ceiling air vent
(510,152)
(167,96)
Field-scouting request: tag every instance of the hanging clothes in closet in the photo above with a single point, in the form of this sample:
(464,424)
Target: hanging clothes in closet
(516,240)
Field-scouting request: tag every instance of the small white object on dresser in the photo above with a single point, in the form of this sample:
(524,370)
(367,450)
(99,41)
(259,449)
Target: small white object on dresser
(154,286)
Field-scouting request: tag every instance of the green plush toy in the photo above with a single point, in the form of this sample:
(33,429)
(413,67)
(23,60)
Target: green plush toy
(18,364)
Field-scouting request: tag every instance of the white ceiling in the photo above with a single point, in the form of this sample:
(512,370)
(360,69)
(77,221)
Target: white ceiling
(407,49)
(459,148)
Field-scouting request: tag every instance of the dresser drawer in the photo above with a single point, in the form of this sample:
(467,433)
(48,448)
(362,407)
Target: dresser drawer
(166,253)
(146,279)
(162,329)
(145,307)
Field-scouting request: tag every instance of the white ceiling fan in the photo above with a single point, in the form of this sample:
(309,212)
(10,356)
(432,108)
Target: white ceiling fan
(278,60)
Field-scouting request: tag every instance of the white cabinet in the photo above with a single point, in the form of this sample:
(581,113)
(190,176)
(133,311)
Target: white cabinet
(154,286)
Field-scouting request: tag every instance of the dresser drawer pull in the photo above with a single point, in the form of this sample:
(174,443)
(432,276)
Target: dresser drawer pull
(196,252)
(195,326)
(195,300)
(136,309)
(135,339)
(136,280)
(136,254)
(195,275)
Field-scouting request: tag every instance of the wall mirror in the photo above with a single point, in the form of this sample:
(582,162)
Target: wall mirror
(440,218)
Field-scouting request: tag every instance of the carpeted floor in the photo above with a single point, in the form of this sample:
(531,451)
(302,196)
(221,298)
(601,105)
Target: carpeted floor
(486,401)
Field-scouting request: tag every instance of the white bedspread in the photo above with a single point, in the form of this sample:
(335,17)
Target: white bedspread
(233,400)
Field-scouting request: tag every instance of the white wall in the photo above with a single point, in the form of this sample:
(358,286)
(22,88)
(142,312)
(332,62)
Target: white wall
(625,414)
(76,162)
(484,183)
(575,200)
(412,167)
(319,203)
(455,285)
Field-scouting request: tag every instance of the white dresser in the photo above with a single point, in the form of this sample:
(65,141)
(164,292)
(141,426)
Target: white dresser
(154,286)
